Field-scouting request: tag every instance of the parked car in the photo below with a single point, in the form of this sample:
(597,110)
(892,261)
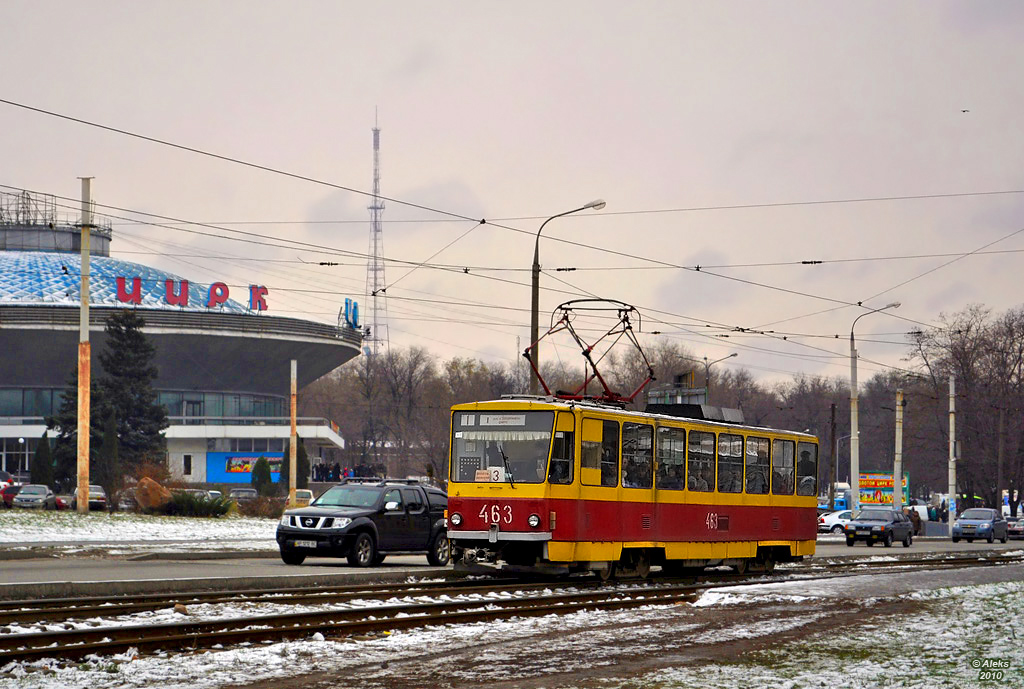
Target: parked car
(97,498)
(35,496)
(6,479)
(365,521)
(1015,527)
(303,496)
(877,525)
(214,494)
(126,501)
(980,522)
(243,494)
(7,493)
(63,502)
(833,522)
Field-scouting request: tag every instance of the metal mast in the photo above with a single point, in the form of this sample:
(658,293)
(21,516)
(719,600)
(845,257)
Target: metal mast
(376,299)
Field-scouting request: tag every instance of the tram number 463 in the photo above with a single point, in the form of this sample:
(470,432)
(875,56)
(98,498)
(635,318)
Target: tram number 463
(712,521)
(495,514)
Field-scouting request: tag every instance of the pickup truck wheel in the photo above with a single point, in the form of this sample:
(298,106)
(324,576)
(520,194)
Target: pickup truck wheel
(363,551)
(379,559)
(290,557)
(956,539)
(440,551)
(849,542)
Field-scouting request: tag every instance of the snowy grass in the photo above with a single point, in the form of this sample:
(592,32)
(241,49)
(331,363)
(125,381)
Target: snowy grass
(31,527)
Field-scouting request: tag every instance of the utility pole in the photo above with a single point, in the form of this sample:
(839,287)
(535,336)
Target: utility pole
(832,461)
(952,452)
(897,468)
(84,356)
(292,453)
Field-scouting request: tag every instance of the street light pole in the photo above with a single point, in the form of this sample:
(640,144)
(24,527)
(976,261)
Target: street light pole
(535,289)
(707,375)
(854,432)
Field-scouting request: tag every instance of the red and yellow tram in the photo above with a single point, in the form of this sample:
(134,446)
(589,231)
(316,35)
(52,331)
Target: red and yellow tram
(560,486)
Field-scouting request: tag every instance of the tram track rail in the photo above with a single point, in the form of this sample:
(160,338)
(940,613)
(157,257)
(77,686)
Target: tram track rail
(541,598)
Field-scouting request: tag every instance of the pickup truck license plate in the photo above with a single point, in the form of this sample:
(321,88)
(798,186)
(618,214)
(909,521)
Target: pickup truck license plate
(305,544)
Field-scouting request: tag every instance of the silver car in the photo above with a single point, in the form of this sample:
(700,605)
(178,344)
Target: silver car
(35,496)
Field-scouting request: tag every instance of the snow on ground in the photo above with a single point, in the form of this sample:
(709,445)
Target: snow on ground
(957,630)
(71,531)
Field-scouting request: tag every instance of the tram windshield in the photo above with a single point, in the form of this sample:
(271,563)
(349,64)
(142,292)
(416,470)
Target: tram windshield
(501,447)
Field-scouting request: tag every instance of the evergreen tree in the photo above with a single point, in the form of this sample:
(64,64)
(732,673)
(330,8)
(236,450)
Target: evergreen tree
(261,479)
(301,466)
(65,423)
(286,461)
(42,463)
(127,386)
(105,470)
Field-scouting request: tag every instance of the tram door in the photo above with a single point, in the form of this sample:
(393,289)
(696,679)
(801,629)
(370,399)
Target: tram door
(598,517)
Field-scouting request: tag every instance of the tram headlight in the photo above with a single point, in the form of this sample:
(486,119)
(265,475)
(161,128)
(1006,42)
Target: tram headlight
(455,519)
(533,520)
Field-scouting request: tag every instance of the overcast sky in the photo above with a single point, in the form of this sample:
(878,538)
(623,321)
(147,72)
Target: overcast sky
(516,112)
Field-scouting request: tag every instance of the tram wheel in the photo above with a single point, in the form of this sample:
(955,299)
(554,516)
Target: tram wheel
(742,566)
(606,574)
(643,565)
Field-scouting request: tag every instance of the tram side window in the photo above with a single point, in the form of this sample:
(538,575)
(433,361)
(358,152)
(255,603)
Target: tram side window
(599,463)
(782,467)
(637,455)
(757,466)
(561,457)
(700,462)
(730,463)
(671,458)
(807,469)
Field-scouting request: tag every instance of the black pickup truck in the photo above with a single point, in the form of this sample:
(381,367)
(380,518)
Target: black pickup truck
(365,521)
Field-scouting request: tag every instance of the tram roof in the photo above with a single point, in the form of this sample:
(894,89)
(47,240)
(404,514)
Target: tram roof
(548,402)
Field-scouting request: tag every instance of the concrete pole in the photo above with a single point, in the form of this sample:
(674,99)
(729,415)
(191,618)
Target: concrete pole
(832,460)
(854,433)
(897,467)
(84,356)
(952,452)
(293,445)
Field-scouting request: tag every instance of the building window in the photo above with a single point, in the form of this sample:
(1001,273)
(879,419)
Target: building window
(186,462)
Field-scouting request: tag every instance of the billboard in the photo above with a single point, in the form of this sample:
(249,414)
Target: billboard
(876,489)
(236,467)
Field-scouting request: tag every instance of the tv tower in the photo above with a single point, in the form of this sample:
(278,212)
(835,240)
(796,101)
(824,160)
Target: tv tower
(376,299)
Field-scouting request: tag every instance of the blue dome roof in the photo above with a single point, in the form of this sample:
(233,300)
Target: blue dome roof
(42,278)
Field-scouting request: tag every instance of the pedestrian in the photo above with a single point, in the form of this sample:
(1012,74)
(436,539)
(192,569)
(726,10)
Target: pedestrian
(915,519)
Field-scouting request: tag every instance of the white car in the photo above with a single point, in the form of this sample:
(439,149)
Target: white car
(834,522)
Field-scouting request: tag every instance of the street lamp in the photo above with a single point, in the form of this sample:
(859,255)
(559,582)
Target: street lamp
(535,301)
(854,432)
(707,375)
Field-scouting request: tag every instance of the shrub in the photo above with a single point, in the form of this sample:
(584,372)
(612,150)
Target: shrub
(196,505)
(262,507)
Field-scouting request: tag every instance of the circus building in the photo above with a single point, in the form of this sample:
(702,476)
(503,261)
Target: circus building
(224,362)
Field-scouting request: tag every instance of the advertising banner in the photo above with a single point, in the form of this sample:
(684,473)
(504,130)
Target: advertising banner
(876,489)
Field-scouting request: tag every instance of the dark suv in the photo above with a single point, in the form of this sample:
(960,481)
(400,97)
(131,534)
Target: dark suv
(365,521)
